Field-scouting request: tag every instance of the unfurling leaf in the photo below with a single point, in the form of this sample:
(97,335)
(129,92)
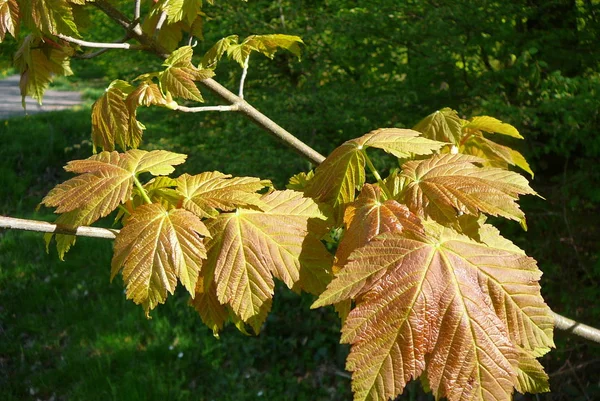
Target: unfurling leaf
(38,62)
(492,125)
(445,186)
(250,247)
(265,44)
(444,125)
(207,193)
(155,248)
(212,56)
(443,305)
(179,76)
(342,173)
(9,18)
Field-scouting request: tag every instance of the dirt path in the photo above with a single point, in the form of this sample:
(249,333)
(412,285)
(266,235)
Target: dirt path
(10,100)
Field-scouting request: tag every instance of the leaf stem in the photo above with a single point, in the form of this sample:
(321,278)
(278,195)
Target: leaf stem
(140,187)
(243,78)
(376,175)
(124,210)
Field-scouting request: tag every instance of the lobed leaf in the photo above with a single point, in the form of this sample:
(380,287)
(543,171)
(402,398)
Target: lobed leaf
(214,54)
(440,304)
(492,125)
(179,76)
(49,17)
(10,17)
(207,193)
(496,155)
(111,122)
(155,248)
(445,186)
(443,125)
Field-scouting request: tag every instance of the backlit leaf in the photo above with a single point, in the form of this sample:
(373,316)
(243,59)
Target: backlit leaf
(299,182)
(111,118)
(342,173)
(207,193)
(497,155)
(211,311)
(445,186)
(269,44)
(250,247)
(155,248)
(440,304)
(9,18)
(38,62)
(212,56)
(179,76)
(49,16)
(444,125)
(531,376)
(492,125)
(178,10)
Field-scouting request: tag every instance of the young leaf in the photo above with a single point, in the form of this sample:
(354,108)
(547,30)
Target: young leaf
(49,17)
(343,171)
(212,313)
(265,44)
(440,304)
(111,118)
(249,247)
(38,62)
(207,193)
(530,375)
(444,125)
(9,18)
(178,10)
(212,57)
(497,155)
(446,185)
(155,248)
(299,182)
(492,125)
(179,76)
(147,93)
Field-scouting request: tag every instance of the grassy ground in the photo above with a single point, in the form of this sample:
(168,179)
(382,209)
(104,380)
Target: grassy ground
(66,333)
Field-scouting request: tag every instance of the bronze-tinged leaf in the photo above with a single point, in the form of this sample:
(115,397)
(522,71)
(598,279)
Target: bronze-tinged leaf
(495,154)
(9,18)
(146,94)
(445,186)
(212,313)
(250,247)
(370,216)
(492,125)
(342,173)
(155,162)
(299,182)
(444,125)
(207,193)
(111,118)
(530,375)
(439,304)
(179,76)
(155,248)
(38,63)
(49,17)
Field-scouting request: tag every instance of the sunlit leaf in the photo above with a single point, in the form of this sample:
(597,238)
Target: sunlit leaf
(531,376)
(445,186)
(212,56)
(49,16)
(155,248)
(212,313)
(9,18)
(178,10)
(250,247)
(443,125)
(111,118)
(492,125)
(440,304)
(207,193)
(38,62)
(179,75)
(299,182)
(497,155)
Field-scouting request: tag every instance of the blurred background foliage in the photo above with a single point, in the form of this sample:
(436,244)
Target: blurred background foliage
(387,63)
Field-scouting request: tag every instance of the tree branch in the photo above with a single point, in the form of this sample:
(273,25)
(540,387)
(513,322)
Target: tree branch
(44,227)
(573,327)
(232,107)
(161,20)
(100,45)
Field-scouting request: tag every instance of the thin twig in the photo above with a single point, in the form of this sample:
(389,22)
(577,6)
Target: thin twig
(101,45)
(243,78)
(161,20)
(44,227)
(232,107)
(86,56)
(573,327)
(137,10)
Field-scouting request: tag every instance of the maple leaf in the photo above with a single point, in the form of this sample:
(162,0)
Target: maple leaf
(214,54)
(492,125)
(443,125)
(111,118)
(155,248)
(211,311)
(207,193)
(440,304)
(38,62)
(265,44)
(9,18)
(49,17)
(496,155)
(178,10)
(249,247)
(179,76)
(447,185)
(343,171)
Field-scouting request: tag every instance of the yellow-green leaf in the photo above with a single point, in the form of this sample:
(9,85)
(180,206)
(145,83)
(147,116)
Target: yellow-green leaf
(250,247)
(444,125)
(497,155)
(179,76)
(492,125)
(9,18)
(49,17)
(207,193)
(448,185)
(212,57)
(111,118)
(531,376)
(155,248)
(178,10)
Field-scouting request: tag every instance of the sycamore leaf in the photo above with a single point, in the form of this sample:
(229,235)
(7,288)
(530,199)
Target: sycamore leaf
(447,185)
(212,57)
(178,10)
(155,248)
(169,34)
(179,76)
(530,375)
(444,125)
(207,193)
(249,247)
(265,44)
(38,62)
(496,155)
(343,171)
(147,93)
(49,17)
(299,182)
(111,118)
(9,18)
(439,304)
(211,311)
(370,216)
(492,125)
